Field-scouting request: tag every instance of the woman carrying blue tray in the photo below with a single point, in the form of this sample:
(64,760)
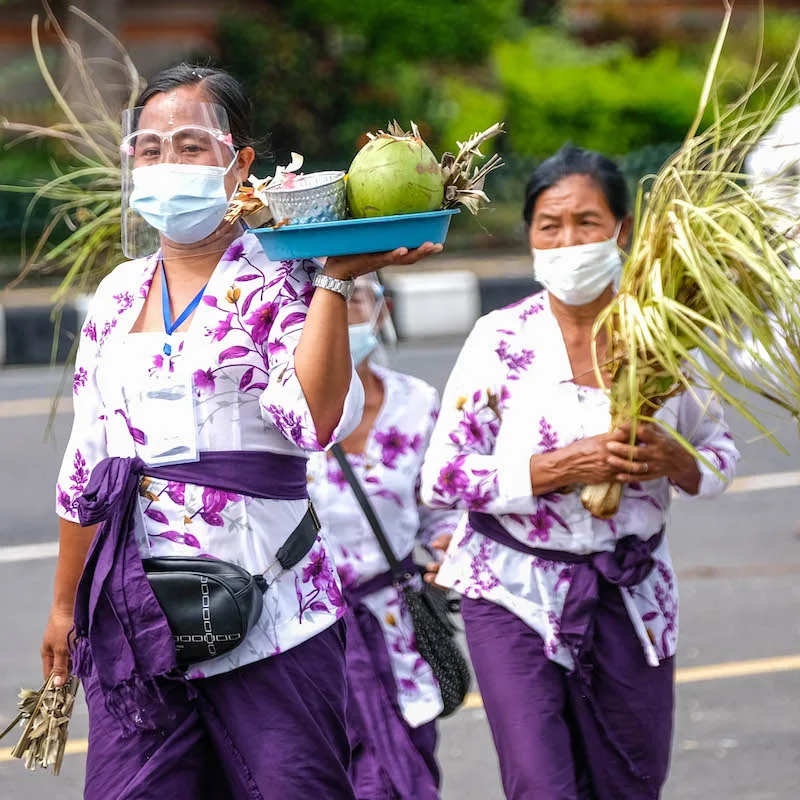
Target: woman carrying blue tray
(205,375)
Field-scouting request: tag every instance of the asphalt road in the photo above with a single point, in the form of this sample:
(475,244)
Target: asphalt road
(738,709)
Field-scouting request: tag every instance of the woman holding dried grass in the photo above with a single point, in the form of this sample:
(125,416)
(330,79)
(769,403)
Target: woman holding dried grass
(571,620)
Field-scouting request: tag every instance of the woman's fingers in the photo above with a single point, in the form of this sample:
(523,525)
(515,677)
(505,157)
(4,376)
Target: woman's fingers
(431,571)
(629,467)
(47,662)
(353,266)
(60,665)
(630,452)
(412,256)
(442,542)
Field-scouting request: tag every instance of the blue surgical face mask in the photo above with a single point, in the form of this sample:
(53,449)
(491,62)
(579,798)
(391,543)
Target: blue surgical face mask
(185,202)
(362,341)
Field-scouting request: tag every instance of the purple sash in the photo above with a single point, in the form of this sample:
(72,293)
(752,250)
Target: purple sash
(630,563)
(356,594)
(120,630)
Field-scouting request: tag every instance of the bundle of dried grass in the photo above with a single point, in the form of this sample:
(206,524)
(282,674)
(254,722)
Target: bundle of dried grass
(45,715)
(708,273)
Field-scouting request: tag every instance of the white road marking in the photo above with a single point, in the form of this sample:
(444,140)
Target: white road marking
(28,552)
(33,407)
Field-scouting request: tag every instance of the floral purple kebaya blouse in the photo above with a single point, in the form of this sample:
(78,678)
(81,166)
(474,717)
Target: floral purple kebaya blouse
(238,355)
(510,396)
(389,473)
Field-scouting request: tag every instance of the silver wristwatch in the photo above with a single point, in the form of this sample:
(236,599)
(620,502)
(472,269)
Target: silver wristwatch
(344,288)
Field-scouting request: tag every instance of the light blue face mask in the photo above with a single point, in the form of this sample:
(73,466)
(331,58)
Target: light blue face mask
(185,202)
(362,341)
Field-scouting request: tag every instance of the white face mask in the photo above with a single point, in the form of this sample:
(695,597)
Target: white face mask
(185,202)
(579,274)
(362,341)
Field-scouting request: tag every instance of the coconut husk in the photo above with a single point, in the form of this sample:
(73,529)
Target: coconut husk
(45,717)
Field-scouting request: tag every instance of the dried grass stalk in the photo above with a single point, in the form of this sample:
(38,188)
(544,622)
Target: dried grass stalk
(708,274)
(86,193)
(45,716)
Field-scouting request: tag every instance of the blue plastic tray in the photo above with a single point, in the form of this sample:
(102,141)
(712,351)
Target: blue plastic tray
(350,236)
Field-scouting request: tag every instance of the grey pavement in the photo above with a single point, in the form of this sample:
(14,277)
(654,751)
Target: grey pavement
(737,738)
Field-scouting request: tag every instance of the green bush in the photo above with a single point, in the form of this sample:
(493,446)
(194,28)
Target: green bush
(390,31)
(21,165)
(603,98)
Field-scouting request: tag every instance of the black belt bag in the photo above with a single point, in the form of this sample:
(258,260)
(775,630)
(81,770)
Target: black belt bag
(212,605)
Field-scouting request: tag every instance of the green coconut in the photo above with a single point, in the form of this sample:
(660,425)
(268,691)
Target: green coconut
(394,173)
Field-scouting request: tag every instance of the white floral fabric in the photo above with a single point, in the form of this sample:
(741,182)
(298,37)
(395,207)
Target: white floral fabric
(389,471)
(511,396)
(238,354)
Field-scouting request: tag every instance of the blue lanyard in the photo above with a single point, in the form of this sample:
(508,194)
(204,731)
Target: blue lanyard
(169,326)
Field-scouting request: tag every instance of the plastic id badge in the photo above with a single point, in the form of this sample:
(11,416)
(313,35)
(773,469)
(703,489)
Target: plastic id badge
(168,406)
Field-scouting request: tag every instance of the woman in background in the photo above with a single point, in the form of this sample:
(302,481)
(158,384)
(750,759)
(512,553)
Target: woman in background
(571,621)
(393,696)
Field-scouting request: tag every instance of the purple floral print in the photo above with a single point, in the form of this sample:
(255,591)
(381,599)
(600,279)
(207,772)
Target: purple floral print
(291,426)
(262,320)
(204,380)
(79,380)
(124,301)
(321,574)
(90,330)
(554,642)
(78,480)
(214,503)
(515,362)
(453,478)
(548,437)
(543,520)
(234,252)
(483,579)
(534,308)
(393,443)
(222,328)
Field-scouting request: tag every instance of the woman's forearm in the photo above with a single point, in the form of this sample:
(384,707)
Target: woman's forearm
(551,472)
(322,361)
(74,542)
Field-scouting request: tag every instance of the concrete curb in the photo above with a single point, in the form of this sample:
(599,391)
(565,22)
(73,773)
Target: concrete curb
(430,304)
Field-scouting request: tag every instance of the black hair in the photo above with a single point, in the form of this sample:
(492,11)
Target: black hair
(571,160)
(219,86)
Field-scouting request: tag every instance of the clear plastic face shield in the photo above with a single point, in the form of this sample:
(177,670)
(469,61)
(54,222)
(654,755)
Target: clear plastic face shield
(178,172)
(369,319)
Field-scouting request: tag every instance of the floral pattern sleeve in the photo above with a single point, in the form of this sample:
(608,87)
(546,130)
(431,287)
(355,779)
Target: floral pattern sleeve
(702,421)
(283,403)
(461,469)
(87,442)
(433,523)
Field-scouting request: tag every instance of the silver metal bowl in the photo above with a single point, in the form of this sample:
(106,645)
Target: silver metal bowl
(318,197)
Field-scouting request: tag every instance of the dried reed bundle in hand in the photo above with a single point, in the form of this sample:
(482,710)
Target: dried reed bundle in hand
(708,273)
(45,715)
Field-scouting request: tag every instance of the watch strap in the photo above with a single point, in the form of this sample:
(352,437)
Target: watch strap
(344,288)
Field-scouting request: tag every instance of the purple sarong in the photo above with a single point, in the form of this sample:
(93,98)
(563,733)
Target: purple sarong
(592,602)
(549,741)
(272,730)
(121,634)
(391,760)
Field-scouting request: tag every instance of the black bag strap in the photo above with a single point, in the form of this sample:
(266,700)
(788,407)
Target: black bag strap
(302,539)
(369,512)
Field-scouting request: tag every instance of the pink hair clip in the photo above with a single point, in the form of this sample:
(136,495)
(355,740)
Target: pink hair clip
(228,139)
(126,149)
